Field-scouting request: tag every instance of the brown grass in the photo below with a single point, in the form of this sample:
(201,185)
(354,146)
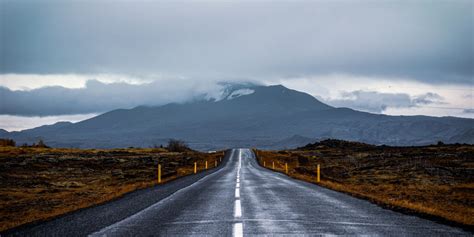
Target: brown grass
(38,184)
(436,181)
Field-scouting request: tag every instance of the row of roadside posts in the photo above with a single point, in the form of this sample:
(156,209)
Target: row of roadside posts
(318,170)
(195,167)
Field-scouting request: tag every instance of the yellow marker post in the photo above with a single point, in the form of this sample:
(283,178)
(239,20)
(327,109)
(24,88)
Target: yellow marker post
(273,164)
(195,167)
(318,174)
(206,164)
(286,168)
(264,165)
(215,163)
(159,173)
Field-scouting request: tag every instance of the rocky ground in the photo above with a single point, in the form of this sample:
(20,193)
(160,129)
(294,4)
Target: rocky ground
(40,183)
(435,181)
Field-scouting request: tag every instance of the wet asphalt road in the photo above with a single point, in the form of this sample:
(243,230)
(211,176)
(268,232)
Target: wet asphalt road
(242,198)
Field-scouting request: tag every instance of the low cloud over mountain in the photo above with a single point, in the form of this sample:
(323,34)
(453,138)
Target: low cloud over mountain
(377,102)
(97,97)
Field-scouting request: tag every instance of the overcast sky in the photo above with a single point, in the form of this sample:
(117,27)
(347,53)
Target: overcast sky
(391,57)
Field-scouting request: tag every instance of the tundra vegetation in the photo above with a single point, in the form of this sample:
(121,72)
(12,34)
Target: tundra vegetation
(7,142)
(38,183)
(436,181)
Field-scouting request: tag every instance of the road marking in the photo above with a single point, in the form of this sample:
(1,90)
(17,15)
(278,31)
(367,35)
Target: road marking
(237,209)
(238,230)
(240,159)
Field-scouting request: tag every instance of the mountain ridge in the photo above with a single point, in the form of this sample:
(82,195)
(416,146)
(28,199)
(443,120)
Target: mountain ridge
(262,116)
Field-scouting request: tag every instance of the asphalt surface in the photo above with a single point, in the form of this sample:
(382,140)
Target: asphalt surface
(243,198)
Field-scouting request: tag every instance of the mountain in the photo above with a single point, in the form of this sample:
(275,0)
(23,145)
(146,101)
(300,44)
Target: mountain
(248,116)
(3,132)
(290,142)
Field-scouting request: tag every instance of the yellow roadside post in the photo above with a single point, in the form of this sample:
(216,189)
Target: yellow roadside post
(273,164)
(318,174)
(159,173)
(264,165)
(195,167)
(215,163)
(206,164)
(286,168)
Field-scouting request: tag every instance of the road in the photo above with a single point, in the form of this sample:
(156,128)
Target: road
(243,199)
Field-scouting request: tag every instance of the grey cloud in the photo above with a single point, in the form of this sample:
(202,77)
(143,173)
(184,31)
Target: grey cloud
(424,40)
(98,97)
(470,95)
(428,98)
(377,102)
(468,111)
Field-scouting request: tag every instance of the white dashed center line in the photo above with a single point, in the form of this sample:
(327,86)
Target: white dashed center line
(238,228)
(237,209)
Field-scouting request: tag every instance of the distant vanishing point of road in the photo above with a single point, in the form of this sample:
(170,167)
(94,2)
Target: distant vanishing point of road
(239,199)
